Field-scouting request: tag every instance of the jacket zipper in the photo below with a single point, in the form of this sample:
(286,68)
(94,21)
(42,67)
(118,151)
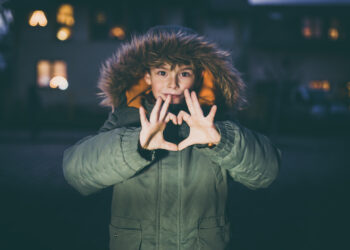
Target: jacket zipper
(180,204)
(158,204)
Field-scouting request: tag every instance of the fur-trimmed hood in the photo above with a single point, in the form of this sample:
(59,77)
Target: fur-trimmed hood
(121,80)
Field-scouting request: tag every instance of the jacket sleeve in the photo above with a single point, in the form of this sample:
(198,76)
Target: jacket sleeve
(249,157)
(103,160)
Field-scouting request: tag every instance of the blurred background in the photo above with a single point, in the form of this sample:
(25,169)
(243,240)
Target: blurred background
(293,56)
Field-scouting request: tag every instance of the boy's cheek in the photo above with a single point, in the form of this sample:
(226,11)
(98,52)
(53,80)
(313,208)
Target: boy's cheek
(157,94)
(162,96)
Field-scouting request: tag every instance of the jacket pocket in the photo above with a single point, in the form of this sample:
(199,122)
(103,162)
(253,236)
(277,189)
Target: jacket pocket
(213,233)
(124,234)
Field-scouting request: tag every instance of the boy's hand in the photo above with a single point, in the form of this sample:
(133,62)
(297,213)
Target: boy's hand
(151,135)
(202,128)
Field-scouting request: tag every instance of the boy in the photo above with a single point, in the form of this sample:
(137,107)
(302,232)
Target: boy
(168,145)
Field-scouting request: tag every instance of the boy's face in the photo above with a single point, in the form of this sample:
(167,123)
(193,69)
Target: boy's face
(166,81)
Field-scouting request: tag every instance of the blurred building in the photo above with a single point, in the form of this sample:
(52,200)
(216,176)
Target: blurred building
(294,57)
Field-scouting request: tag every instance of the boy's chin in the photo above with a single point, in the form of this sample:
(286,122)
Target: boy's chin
(176,100)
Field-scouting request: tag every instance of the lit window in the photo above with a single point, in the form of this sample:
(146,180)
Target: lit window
(101,17)
(52,74)
(38,18)
(106,25)
(322,85)
(59,69)
(65,15)
(312,27)
(117,32)
(64,33)
(43,73)
(59,82)
(306,30)
(65,20)
(333,31)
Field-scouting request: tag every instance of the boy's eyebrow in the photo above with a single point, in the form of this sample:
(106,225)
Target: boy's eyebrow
(189,67)
(162,67)
(168,67)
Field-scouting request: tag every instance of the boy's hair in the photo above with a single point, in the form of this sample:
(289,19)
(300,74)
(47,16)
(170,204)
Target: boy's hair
(174,45)
(171,55)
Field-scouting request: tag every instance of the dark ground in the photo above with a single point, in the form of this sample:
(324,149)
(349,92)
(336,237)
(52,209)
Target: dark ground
(306,208)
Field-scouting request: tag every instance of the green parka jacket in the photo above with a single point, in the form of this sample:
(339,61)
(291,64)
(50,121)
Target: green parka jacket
(168,200)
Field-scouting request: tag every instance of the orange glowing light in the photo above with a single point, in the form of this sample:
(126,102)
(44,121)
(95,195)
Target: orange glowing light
(65,15)
(306,28)
(333,33)
(59,68)
(43,73)
(101,17)
(38,18)
(117,32)
(307,32)
(59,82)
(326,86)
(63,33)
(320,85)
(53,84)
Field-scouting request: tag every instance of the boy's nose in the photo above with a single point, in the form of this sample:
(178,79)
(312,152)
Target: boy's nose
(173,82)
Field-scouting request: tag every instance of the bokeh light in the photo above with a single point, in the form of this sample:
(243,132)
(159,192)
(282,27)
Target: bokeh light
(59,82)
(117,32)
(65,15)
(38,18)
(63,33)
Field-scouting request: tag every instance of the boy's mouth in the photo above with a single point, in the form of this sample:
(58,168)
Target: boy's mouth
(173,95)
(175,98)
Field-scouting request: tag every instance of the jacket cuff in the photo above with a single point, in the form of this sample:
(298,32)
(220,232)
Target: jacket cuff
(145,153)
(133,157)
(227,140)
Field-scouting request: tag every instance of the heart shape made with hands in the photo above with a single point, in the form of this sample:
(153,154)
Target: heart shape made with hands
(202,128)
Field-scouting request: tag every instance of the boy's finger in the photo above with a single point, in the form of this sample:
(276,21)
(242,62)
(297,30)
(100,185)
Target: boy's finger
(172,117)
(189,101)
(155,111)
(184,144)
(196,104)
(162,96)
(182,116)
(212,112)
(164,109)
(169,146)
(143,117)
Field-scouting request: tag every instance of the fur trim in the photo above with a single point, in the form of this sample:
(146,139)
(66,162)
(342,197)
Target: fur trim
(128,65)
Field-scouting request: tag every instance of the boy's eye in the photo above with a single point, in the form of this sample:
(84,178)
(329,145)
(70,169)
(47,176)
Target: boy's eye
(185,74)
(161,73)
